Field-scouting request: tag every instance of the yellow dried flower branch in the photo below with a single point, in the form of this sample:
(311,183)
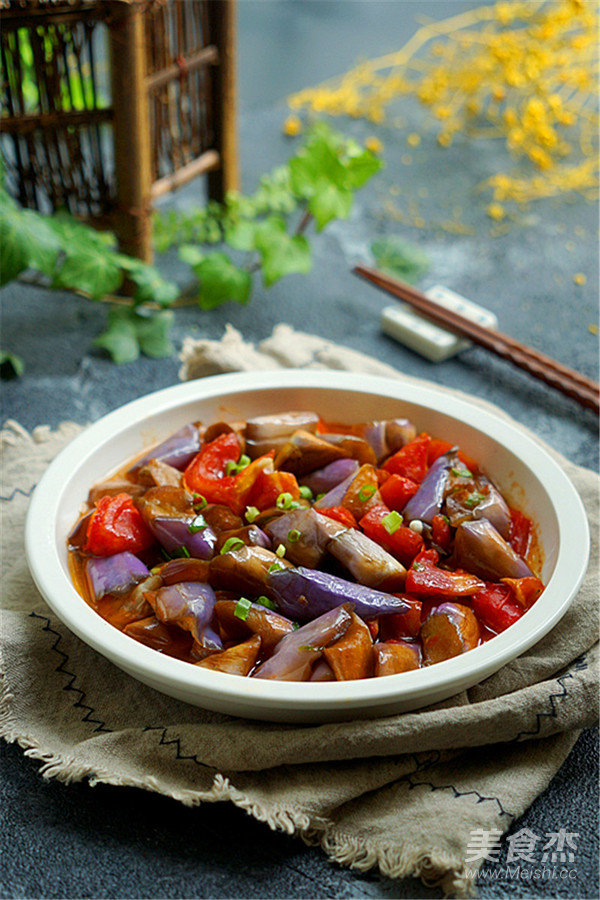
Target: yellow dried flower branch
(526,72)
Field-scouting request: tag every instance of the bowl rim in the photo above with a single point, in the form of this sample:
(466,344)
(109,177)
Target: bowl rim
(56,587)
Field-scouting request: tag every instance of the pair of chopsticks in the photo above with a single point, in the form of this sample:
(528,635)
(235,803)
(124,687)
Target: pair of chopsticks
(567,381)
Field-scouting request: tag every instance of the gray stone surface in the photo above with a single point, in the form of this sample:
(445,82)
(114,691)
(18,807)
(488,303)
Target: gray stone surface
(67,841)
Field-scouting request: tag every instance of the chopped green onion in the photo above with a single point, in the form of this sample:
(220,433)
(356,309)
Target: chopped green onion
(295,626)
(155,570)
(276,567)
(197,524)
(284,501)
(280,551)
(251,513)
(294,535)
(418,566)
(266,601)
(310,648)
(305,492)
(319,497)
(366,492)
(232,543)
(242,608)
(474,500)
(177,553)
(181,551)
(199,502)
(392,522)
(234,468)
(462,473)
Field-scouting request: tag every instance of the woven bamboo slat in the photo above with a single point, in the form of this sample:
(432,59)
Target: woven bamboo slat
(106,106)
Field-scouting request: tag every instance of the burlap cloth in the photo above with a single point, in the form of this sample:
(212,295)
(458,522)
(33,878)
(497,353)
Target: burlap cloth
(405,793)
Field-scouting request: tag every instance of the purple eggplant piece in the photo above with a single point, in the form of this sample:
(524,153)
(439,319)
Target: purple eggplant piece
(482,550)
(322,671)
(259,538)
(375,436)
(449,630)
(305,535)
(177,450)
(388,435)
(335,496)
(114,574)
(296,653)
(428,500)
(366,560)
(173,533)
(303,593)
(398,433)
(261,428)
(478,499)
(323,480)
(493,508)
(190,604)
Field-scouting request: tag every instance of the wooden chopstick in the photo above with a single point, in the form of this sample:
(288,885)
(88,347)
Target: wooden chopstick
(573,384)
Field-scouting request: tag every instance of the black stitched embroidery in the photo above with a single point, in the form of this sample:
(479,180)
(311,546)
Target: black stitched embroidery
(178,754)
(450,787)
(18,491)
(71,684)
(548,715)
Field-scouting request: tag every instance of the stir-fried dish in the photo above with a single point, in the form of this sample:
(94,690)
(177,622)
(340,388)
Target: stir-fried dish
(286,547)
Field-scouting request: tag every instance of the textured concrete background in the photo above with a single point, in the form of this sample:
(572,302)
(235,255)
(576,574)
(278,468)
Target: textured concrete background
(71,841)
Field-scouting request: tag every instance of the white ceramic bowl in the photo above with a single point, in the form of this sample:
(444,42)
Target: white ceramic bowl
(522,470)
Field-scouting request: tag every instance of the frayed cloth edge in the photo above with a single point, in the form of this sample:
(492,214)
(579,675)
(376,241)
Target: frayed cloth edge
(434,868)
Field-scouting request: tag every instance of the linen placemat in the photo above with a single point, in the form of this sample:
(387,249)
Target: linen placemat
(414,794)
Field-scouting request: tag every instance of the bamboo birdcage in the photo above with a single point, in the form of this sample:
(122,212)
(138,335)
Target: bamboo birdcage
(109,104)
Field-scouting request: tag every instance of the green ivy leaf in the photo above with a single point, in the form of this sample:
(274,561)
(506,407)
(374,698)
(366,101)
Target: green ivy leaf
(221,280)
(74,235)
(14,249)
(130,332)
(360,168)
(316,165)
(92,269)
(400,259)
(11,365)
(120,338)
(281,254)
(241,234)
(327,171)
(153,329)
(330,202)
(191,254)
(44,244)
(151,286)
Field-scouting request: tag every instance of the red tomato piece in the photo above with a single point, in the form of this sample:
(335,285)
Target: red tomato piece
(411,460)
(339,514)
(117,525)
(401,625)
(441,531)
(425,579)
(437,447)
(397,490)
(403,543)
(496,607)
(269,485)
(525,590)
(244,483)
(205,475)
(519,536)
